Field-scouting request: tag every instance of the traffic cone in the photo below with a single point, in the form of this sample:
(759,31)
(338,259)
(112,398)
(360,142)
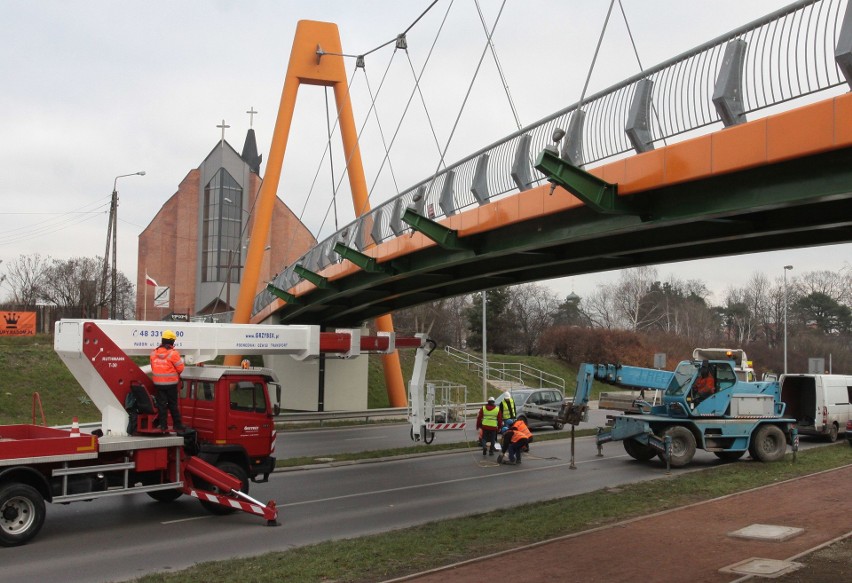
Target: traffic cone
(75,428)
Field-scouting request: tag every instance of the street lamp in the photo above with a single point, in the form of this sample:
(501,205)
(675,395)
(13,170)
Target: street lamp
(786,269)
(112,236)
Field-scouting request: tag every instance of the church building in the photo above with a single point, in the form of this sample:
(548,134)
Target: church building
(196,244)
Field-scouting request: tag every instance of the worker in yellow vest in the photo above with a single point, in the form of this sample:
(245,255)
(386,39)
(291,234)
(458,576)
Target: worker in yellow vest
(488,421)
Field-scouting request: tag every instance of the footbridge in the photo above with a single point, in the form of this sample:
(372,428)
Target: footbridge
(743,144)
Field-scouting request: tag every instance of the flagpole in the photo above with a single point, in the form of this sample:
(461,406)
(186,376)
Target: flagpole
(145,309)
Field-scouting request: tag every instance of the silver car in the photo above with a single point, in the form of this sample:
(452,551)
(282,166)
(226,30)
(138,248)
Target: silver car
(538,407)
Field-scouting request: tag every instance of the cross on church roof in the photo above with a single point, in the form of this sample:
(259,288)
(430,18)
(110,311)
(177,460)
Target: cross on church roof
(251,113)
(223,126)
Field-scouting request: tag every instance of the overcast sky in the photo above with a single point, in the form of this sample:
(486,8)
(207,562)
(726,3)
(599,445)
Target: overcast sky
(96,89)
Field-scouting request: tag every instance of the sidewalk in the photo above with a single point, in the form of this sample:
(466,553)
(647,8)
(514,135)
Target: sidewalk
(684,544)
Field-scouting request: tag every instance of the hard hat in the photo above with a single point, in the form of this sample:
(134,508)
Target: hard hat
(490,399)
(169,335)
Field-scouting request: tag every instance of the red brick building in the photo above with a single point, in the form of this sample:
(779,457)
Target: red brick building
(196,244)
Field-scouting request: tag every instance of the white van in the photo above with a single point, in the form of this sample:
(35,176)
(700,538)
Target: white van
(820,403)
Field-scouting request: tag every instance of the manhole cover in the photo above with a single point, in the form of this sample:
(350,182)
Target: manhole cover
(763,567)
(768,532)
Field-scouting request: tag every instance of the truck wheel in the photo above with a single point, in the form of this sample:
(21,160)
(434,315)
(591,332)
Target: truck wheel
(832,433)
(558,426)
(237,472)
(165,495)
(683,446)
(21,514)
(768,444)
(729,456)
(639,451)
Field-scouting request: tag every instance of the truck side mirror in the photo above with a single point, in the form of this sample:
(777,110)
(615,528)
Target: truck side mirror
(276,409)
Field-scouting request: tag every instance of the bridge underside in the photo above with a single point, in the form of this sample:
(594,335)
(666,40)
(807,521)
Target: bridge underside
(798,203)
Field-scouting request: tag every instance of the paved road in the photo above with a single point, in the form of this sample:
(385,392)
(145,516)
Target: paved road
(118,539)
(321,442)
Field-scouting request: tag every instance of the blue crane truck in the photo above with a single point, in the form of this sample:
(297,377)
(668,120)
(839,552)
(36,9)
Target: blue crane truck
(738,416)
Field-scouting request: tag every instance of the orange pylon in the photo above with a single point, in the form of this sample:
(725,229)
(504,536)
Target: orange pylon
(315,59)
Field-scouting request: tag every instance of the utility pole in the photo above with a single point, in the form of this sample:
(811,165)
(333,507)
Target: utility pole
(112,239)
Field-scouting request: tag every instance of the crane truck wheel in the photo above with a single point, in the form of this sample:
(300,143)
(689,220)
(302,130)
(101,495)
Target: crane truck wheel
(165,495)
(21,514)
(729,456)
(236,471)
(639,451)
(683,446)
(768,444)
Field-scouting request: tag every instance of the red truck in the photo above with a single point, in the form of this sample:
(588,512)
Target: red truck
(229,412)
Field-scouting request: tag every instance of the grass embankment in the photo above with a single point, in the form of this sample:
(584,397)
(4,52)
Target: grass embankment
(28,364)
(393,554)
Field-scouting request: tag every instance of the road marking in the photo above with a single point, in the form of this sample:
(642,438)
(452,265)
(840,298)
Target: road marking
(186,519)
(443,482)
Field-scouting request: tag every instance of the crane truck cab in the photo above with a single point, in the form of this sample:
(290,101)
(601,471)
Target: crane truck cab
(741,364)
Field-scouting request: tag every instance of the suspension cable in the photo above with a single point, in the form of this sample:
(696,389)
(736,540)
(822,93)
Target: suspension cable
(417,77)
(469,89)
(639,61)
(382,135)
(499,67)
(595,57)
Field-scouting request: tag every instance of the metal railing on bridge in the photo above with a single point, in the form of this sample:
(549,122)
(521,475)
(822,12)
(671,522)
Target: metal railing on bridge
(793,52)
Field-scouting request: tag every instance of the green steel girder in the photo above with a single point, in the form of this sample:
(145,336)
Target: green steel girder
(446,238)
(280,293)
(594,192)
(795,203)
(316,279)
(365,262)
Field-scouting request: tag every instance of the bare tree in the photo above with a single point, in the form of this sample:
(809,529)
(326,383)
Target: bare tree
(600,308)
(443,320)
(25,276)
(632,299)
(834,285)
(533,307)
(66,283)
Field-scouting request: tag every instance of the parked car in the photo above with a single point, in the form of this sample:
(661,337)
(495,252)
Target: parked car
(849,431)
(538,407)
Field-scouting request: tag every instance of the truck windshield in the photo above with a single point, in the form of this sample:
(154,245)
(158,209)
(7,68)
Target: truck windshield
(684,373)
(248,396)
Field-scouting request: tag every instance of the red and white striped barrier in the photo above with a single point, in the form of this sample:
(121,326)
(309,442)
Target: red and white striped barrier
(75,428)
(444,426)
(267,511)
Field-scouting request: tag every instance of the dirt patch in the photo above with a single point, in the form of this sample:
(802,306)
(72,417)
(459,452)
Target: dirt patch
(693,543)
(828,565)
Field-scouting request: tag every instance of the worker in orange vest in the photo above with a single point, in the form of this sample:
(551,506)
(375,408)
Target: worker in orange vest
(517,436)
(705,384)
(166,366)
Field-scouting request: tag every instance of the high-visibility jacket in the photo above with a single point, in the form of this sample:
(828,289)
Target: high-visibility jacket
(520,431)
(705,386)
(490,417)
(166,365)
(508,407)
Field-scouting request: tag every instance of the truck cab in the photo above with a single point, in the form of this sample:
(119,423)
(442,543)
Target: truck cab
(732,394)
(232,412)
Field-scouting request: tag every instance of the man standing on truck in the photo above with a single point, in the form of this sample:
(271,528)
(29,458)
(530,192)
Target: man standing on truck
(166,366)
(489,420)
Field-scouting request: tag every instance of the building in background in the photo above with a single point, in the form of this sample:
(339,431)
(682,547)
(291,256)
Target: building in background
(196,244)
